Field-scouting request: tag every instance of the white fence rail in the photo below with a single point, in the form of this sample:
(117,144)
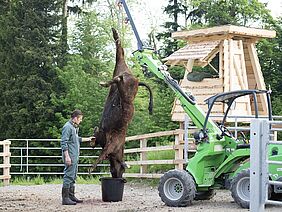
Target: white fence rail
(25,152)
(43,156)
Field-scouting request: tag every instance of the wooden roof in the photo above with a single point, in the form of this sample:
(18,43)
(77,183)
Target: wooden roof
(201,52)
(225,30)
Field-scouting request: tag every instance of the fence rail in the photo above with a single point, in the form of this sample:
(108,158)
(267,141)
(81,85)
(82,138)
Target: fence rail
(25,153)
(6,162)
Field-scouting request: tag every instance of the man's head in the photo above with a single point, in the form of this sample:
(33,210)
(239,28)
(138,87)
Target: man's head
(76,116)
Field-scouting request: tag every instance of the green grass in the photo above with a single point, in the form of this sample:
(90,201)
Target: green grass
(27,181)
(38,180)
(160,155)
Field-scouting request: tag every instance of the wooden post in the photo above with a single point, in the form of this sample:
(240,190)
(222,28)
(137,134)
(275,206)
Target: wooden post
(258,74)
(226,70)
(178,152)
(6,162)
(143,156)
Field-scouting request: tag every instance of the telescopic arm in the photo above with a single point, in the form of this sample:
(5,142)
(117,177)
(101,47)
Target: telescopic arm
(149,60)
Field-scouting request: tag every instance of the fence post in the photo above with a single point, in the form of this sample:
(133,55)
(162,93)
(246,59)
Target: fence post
(27,145)
(259,132)
(178,152)
(186,145)
(6,162)
(143,156)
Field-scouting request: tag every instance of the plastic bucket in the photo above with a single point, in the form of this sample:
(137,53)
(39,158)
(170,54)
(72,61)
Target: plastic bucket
(112,189)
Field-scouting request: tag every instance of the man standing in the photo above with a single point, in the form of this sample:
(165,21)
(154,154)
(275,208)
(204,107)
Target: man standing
(70,145)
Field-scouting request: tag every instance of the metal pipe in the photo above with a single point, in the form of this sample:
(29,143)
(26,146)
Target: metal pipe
(139,42)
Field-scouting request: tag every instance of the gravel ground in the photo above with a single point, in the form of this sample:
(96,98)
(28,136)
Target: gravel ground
(136,198)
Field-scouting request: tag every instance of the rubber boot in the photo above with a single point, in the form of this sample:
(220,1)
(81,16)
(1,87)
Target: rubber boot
(72,197)
(66,197)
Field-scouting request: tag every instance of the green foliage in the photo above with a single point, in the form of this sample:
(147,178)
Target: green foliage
(82,93)
(270,54)
(89,64)
(236,12)
(160,120)
(27,79)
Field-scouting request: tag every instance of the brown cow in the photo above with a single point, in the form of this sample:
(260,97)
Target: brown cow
(117,114)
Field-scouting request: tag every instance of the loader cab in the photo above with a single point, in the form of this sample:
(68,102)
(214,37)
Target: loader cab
(229,99)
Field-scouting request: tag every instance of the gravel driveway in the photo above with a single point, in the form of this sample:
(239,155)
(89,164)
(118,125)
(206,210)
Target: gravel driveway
(136,198)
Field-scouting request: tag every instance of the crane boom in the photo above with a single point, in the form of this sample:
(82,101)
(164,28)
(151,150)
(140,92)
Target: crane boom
(148,59)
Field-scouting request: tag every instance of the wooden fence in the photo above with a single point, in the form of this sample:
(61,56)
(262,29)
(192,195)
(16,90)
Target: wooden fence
(23,155)
(6,162)
(178,146)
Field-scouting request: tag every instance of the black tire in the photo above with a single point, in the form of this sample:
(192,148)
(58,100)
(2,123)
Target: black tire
(205,195)
(240,188)
(177,188)
(276,196)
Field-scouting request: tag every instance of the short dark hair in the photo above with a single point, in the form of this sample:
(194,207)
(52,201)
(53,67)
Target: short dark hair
(76,113)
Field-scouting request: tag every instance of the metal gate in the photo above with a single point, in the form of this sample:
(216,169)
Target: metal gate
(263,133)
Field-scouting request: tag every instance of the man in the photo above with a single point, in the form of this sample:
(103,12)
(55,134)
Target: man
(70,144)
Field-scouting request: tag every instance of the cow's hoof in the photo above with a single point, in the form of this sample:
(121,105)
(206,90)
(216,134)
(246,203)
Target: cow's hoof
(96,130)
(126,166)
(103,84)
(90,170)
(92,143)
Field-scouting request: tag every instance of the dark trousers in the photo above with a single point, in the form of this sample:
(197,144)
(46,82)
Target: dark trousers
(70,173)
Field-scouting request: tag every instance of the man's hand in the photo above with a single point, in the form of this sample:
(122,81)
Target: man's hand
(67,158)
(88,139)
(92,141)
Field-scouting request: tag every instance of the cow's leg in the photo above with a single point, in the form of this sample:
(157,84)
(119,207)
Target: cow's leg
(104,154)
(114,80)
(100,158)
(117,164)
(116,158)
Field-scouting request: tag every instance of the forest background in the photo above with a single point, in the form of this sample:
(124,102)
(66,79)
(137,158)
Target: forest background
(54,53)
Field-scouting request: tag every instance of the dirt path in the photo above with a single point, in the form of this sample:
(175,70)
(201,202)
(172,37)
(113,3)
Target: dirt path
(135,198)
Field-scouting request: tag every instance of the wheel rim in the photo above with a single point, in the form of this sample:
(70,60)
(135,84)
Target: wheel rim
(243,188)
(173,189)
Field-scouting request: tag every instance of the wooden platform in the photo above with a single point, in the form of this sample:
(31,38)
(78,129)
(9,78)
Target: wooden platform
(238,66)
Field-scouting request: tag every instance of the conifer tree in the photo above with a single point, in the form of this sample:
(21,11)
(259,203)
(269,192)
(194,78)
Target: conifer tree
(28,51)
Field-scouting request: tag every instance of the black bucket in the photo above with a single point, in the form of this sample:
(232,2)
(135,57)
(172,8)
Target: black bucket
(112,189)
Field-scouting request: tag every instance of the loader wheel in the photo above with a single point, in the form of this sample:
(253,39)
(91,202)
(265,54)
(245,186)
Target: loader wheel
(205,195)
(177,188)
(240,188)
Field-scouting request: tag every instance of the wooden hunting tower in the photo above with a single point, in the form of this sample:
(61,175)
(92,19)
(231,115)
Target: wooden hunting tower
(238,65)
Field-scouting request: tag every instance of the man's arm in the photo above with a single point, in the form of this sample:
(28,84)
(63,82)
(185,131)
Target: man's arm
(66,133)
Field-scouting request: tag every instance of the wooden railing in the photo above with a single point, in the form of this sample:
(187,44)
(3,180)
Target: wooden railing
(6,162)
(23,162)
(178,146)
